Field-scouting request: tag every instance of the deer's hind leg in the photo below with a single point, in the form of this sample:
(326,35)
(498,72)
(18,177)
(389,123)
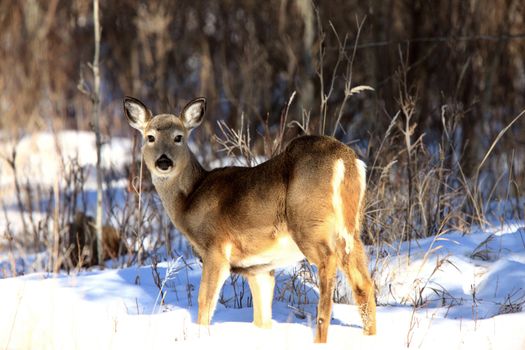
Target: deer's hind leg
(327,270)
(321,253)
(354,265)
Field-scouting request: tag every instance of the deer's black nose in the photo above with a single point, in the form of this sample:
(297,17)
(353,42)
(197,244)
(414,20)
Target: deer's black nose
(164,163)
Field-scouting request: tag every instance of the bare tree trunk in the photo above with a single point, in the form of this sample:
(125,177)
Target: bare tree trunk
(56,229)
(96,125)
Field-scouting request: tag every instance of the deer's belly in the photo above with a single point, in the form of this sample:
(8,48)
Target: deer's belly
(283,252)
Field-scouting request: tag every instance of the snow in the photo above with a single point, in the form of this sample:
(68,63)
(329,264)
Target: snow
(119,308)
(41,157)
(461,290)
(483,267)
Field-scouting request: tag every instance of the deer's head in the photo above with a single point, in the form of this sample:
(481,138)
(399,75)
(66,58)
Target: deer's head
(165,146)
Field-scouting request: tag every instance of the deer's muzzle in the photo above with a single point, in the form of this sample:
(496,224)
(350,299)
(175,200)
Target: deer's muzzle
(163,163)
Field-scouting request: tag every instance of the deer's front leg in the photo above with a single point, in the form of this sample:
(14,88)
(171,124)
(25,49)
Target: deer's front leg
(215,270)
(261,286)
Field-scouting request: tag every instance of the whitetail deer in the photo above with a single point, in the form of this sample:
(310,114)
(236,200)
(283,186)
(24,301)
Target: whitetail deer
(306,202)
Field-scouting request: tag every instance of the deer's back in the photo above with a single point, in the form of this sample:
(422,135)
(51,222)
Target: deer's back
(256,209)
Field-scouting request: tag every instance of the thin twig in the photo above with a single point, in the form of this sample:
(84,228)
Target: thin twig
(438,39)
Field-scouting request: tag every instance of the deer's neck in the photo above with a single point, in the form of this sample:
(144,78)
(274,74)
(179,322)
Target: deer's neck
(175,191)
(190,176)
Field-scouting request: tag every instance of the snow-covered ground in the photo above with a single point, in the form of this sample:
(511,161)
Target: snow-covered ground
(462,290)
(42,157)
(120,308)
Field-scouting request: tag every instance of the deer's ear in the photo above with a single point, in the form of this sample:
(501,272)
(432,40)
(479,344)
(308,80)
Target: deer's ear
(193,113)
(137,113)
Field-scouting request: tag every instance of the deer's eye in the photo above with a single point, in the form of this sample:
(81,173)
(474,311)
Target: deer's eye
(151,138)
(178,139)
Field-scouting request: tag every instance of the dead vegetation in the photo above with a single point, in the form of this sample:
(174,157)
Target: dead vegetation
(442,133)
(80,246)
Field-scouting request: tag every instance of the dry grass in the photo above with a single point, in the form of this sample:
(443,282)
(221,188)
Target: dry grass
(417,184)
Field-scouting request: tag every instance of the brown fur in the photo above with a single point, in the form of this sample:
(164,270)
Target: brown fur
(82,242)
(253,220)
